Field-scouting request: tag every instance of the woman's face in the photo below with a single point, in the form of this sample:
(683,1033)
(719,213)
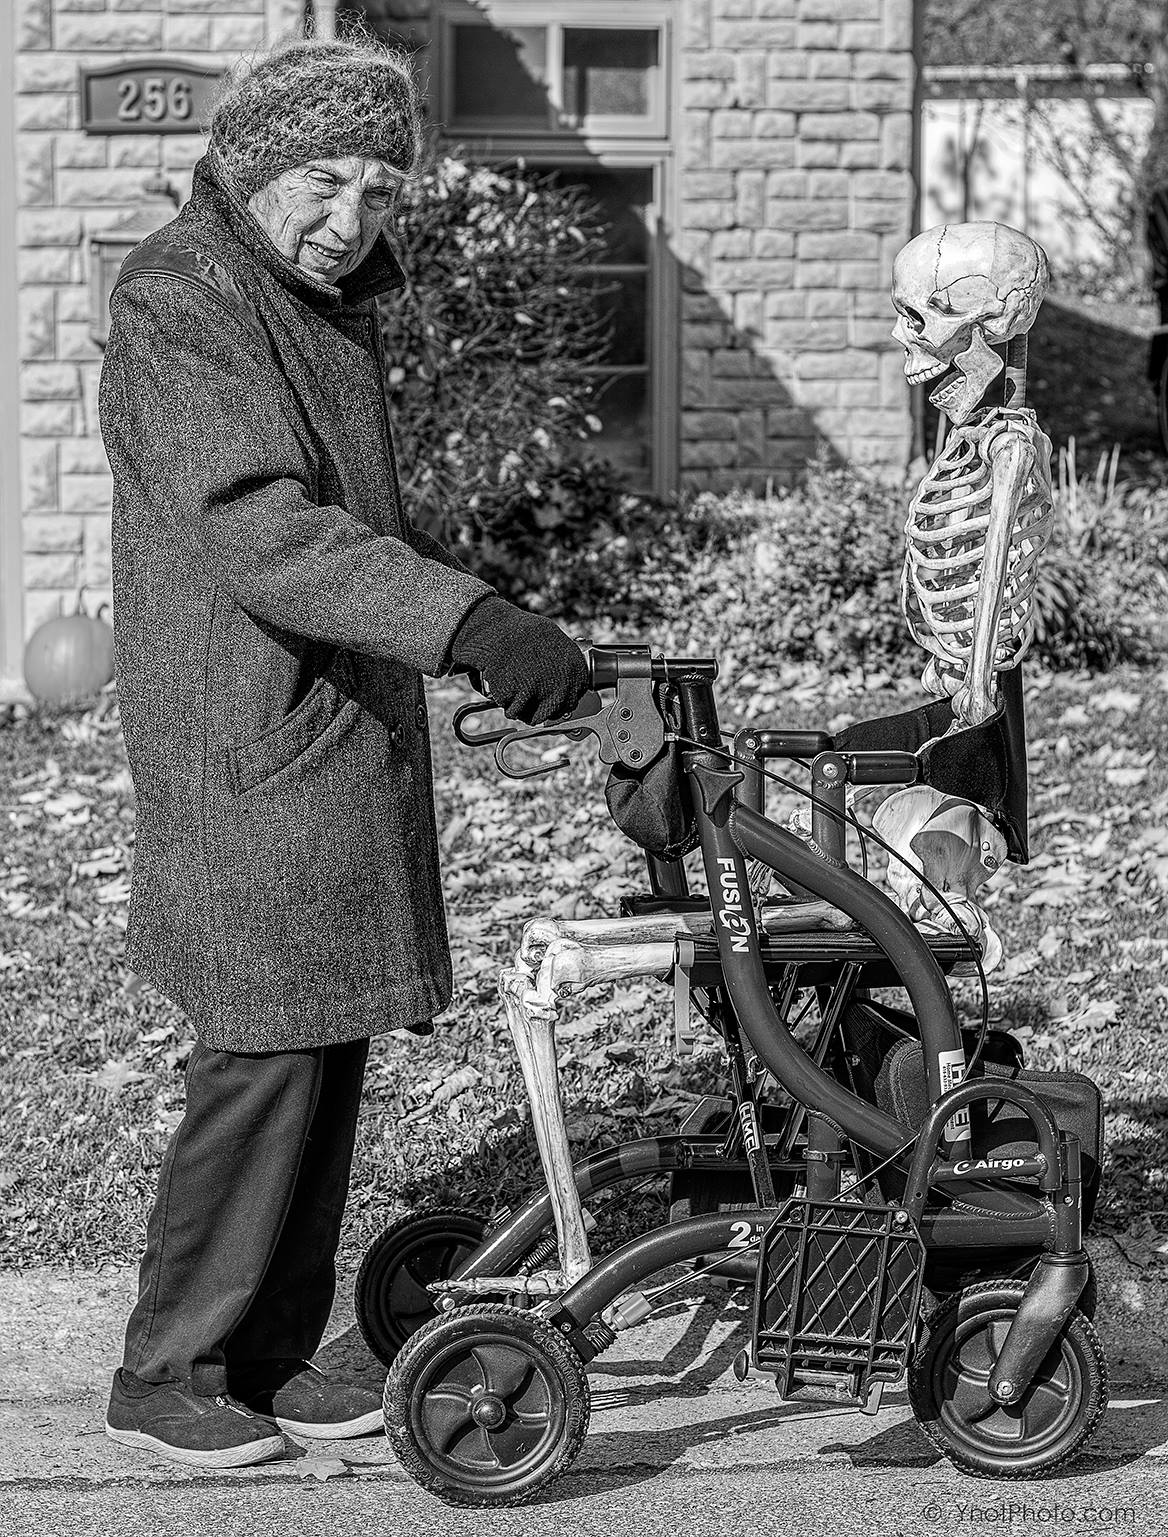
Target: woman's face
(325,215)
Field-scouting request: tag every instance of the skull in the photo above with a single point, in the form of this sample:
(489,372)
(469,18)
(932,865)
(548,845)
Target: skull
(960,290)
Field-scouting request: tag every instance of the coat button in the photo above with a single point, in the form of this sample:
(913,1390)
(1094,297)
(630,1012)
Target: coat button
(420,716)
(397,736)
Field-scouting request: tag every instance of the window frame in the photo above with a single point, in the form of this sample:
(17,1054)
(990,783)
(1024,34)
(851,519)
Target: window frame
(587,15)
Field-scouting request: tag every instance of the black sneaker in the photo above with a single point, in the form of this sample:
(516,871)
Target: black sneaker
(304,1401)
(187,1427)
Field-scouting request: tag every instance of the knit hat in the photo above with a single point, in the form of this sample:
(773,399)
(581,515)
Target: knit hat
(316,101)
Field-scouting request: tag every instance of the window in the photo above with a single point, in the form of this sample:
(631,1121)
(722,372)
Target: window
(586,98)
(503,74)
(628,199)
(610,74)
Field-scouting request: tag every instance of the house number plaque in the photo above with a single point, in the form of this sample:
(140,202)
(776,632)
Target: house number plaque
(147,96)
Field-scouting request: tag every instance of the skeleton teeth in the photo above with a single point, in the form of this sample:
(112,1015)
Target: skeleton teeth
(922,374)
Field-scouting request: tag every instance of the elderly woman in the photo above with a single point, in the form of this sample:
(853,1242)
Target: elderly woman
(275,612)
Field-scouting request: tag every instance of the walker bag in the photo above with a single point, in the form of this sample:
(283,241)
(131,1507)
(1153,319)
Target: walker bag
(651,805)
(1001,1129)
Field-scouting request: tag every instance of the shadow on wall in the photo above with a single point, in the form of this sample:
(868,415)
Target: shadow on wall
(1089,369)
(1087,381)
(683,386)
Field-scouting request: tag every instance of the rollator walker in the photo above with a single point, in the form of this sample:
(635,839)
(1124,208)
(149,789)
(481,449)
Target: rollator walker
(905,1198)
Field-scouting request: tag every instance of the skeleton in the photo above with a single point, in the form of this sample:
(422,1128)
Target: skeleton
(982,515)
(976,528)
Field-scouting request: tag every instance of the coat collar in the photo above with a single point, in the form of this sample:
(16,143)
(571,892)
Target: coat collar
(378,273)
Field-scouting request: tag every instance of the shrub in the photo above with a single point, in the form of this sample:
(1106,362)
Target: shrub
(1103,581)
(561,545)
(810,574)
(813,575)
(487,348)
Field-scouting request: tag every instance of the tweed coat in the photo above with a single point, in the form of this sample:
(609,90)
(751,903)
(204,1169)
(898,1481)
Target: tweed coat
(274,611)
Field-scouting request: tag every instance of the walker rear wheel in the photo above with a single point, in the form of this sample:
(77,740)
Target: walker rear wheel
(486,1405)
(390,1296)
(949,1388)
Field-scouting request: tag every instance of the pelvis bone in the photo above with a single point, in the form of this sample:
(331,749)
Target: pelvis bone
(957,848)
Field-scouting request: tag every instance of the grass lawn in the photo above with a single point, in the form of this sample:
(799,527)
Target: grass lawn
(91,1065)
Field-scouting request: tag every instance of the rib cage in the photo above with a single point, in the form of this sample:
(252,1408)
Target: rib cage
(945,540)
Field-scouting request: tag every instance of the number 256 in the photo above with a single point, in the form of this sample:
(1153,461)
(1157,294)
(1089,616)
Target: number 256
(154,99)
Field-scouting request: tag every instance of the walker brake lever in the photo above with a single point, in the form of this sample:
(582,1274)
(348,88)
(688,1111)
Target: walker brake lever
(503,738)
(630,729)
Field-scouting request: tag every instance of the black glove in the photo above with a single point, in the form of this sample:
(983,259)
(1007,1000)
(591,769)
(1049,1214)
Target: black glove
(530,666)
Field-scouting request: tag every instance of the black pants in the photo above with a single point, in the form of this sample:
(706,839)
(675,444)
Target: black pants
(241,1244)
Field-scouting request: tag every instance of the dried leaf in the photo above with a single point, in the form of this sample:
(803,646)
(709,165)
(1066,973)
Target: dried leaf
(1056,894)
(1048,944)
(1097,844)
(117,1074)
(454,830)
(107,861)
(1074,717)
(1125,777)
(1120,700)
(69,801)
(1092,1016)
(322,1468)
(458,1083)
(1019,965)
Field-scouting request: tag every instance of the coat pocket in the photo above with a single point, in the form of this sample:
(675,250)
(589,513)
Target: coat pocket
(322,716)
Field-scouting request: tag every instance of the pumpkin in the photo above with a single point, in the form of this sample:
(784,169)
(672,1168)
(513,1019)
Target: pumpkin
(69,658)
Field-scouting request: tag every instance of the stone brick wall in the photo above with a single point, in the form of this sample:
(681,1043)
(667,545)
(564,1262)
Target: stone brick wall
(71,186)
(796,192)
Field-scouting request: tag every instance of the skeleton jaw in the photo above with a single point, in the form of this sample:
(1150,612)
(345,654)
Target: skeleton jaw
(974,370)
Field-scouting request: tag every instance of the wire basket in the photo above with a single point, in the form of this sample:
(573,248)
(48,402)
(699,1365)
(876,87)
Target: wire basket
(837,1298)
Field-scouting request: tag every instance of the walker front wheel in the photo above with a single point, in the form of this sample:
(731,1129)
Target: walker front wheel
(486,1405)
(948,1388)
(390,1296)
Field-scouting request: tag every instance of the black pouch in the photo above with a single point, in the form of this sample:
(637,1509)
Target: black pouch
(999,1129)
(651,805)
